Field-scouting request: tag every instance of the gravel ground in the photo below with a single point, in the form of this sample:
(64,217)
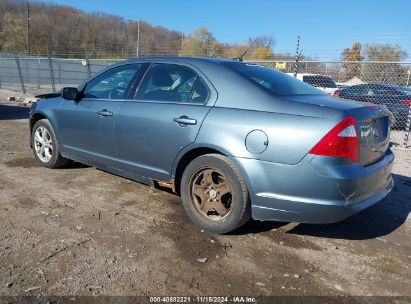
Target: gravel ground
(82,231)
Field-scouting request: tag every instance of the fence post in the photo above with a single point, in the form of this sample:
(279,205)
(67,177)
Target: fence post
(407,128)
(27,69)
(87,64)
(23,88)
(38,72)
(53,82)
(59,63)
(297,57)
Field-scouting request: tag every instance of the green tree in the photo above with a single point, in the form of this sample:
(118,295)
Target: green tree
(266,41)
(384,52)
(262,53)
(351,54)
(262,47)
(236,50)
(201,43)
(387,67)
(13,34)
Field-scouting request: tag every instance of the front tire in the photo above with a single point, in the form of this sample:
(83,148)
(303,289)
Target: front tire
(214,194)
(45,146)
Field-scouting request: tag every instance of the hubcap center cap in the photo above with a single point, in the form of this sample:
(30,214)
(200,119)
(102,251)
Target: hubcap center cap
(213,194)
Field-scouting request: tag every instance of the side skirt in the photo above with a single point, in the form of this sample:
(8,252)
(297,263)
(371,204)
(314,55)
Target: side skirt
(132,176)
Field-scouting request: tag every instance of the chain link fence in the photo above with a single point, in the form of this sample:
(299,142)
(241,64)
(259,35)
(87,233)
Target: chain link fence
(385,83)
(36,75)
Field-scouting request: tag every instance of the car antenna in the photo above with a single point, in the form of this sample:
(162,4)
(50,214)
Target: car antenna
(242,55)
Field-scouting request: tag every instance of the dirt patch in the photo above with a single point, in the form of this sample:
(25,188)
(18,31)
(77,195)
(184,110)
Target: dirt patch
(25,162)
(26,203)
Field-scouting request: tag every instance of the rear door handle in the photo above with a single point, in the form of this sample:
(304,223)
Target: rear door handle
(185,120)
(105,113)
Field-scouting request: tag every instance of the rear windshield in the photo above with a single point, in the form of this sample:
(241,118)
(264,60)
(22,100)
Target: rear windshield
(320,81)
(275,81)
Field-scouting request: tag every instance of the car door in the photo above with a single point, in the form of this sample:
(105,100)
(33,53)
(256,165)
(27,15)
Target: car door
(165,116)
(87,126)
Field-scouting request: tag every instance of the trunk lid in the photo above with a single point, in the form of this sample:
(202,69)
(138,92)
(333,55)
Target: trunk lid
(372,123)
(373,127)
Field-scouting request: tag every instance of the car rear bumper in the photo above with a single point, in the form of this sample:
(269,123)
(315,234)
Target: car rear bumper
(316,190)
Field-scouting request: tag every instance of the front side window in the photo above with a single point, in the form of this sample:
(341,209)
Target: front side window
(112,84)
(170,82)
(274,81)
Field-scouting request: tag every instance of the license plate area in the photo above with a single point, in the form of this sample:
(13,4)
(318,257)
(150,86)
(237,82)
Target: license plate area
(380,127)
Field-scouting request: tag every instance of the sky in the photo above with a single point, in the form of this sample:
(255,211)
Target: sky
(325,27)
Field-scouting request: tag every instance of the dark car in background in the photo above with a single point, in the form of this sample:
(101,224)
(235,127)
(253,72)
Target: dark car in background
(396,98)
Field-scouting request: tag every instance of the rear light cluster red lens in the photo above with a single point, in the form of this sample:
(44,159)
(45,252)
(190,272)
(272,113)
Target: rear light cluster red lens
(407,102)
(336,93)
(341,141)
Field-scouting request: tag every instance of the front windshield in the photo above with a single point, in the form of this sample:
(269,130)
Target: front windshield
(275,81)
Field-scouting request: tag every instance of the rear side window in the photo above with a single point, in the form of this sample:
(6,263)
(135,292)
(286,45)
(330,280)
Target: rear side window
(200,92)
(172,82)
(274,81)
(320,81)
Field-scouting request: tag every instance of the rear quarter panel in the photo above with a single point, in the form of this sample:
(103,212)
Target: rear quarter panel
(289,136)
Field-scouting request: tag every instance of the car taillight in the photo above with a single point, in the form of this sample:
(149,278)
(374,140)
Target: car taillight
(341,141)
(407,102)
(336,93)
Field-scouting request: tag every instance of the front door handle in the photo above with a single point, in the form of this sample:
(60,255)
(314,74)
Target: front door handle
(185,120)
(105,113)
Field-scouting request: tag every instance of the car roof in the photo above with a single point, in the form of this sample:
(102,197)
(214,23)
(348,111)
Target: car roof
(179,59)
(388,85)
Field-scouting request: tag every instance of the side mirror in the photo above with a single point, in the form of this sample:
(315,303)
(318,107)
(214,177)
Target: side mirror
(70,93)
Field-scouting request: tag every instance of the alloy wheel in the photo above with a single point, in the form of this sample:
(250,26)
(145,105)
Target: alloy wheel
(43,144)
(211,194)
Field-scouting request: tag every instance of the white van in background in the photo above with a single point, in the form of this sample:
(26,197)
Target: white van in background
(323,82)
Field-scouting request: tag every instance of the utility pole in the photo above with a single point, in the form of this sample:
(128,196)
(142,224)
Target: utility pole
(138,39)
(28,28)
(297,57)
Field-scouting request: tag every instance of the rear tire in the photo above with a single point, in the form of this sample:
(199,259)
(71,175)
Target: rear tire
(214,194)
(45,146)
